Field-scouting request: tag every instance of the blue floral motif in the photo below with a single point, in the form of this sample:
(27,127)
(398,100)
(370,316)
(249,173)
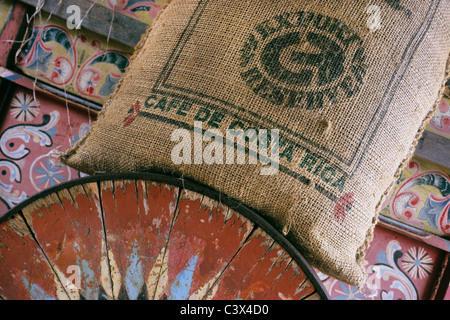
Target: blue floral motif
(388,269)
(41,60)
(349,293)
(49,174)
(108,87)
(432,211)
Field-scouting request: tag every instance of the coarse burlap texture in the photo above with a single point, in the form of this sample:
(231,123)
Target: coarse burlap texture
(348,84)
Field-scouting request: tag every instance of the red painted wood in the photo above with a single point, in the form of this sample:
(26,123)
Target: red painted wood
(11,32)
(25,273)
(201,243)
(137,222)
(71,234)
(262,270)
(114,236)
(136,239)
(57,95)
(156,213)
(38,170)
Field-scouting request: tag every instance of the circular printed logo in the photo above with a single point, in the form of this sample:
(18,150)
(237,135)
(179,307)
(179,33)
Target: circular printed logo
(303,60)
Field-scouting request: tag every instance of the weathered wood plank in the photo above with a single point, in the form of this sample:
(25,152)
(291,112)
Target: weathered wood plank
(262,270)
(102,20)
(157,206)
(10,36)
(88,224)
(138,239)
(204,238)
(109,213)
(25,273)
(15,78)
(434,148)
(69,228)
(120,215)
(231,283)
(414,233)
(137,221)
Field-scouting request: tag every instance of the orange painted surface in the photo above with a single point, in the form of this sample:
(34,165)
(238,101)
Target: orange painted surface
(24,271)
(263,270)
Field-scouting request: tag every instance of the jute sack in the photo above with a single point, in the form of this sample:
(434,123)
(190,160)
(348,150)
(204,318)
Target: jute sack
(335,94)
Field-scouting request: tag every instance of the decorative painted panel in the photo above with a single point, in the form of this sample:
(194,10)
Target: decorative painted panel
(144,11)
(34,128)
(76,61)
(421,197)
(398,268)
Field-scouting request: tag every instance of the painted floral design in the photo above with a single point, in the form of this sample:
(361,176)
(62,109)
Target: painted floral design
(38,55)
(33,132)
(347,292)
(10,174)
(387,268)
(417,263)
(24,108)
(78,63)
(422,198)
(48,174)
(397,270)
(14,141)
(89,81)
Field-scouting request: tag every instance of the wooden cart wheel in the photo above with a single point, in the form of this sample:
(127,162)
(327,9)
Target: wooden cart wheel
(146,236)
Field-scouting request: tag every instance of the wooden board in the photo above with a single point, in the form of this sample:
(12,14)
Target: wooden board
(146,236)
(261,269)
(24,270)
(80,63)
(11,32)
(69,228)
(104,21)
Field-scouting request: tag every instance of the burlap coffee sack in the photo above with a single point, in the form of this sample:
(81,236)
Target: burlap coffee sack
(347,84)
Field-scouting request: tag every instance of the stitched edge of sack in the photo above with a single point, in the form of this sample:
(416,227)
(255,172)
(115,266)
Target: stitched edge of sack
(360,256)
(136,51)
